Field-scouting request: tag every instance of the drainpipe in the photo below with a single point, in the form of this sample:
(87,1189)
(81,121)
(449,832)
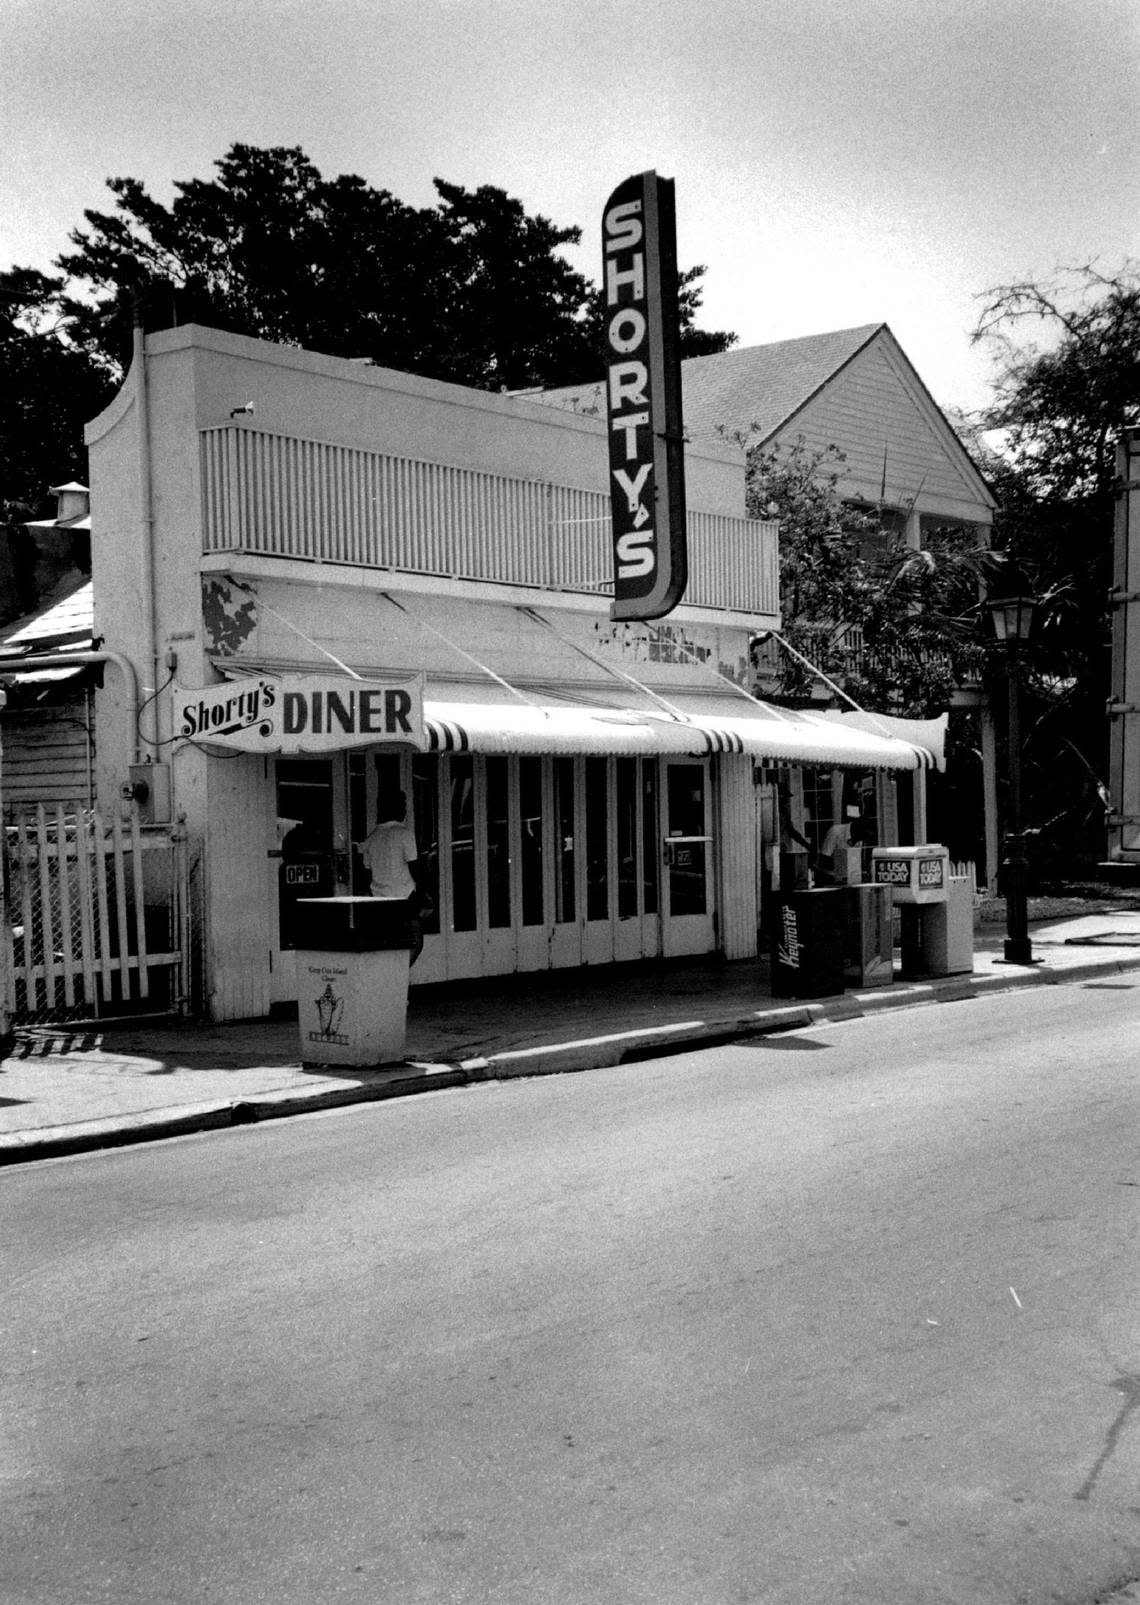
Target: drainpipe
(146,509)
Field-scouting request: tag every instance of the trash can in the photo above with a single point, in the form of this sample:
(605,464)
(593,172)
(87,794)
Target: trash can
(808,943)
(352,979)
(870,958)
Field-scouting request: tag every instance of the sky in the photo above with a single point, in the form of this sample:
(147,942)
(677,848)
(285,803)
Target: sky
(837,162)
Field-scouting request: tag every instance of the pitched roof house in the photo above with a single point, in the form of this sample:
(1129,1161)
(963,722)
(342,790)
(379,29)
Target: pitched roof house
(47,725)
(851,388)
(854,389)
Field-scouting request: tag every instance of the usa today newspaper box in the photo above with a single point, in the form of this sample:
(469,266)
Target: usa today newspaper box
(352,979)
(937,925)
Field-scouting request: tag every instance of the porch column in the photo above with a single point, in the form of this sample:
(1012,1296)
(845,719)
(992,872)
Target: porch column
(921,832)
(736,805)
(989,796)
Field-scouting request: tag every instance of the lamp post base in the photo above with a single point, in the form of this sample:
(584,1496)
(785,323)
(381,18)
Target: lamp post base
(1018,950)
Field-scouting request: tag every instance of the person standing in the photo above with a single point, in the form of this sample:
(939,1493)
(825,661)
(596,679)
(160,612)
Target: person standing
(389,854)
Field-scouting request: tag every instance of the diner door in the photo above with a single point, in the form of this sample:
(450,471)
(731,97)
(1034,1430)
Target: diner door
(310,857)
(687,872)
(637,932)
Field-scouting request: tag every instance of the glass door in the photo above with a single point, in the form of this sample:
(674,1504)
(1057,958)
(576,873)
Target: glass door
(687,878)
(600,862)
(311,854)
(637,930)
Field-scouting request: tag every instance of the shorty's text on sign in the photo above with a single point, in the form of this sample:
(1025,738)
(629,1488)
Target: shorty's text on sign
(303,713)
(643,398)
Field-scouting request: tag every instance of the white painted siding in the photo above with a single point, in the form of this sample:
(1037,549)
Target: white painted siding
(286,497)
(47,757)
(237,907)
(874,403)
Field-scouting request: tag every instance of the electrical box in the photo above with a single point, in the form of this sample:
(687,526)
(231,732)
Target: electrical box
(916,875)
(150,788)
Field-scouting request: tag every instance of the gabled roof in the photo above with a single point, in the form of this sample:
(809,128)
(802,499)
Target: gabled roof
(853,388)
(751,385)
(762,387)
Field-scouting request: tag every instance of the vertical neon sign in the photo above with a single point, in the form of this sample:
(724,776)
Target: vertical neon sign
(643,398)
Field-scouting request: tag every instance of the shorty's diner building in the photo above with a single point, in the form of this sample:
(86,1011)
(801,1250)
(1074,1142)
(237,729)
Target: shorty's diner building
(334,581)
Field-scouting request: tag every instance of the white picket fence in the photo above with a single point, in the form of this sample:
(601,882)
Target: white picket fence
(966,869)
(100,916)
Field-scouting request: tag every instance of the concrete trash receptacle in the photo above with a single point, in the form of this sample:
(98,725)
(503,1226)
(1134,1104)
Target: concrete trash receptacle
(352,979)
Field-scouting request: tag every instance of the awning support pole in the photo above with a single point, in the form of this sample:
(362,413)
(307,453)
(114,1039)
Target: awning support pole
(610,668)
(455,647)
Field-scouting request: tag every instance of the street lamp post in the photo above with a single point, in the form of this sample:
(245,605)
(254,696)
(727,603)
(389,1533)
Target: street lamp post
(1013,620)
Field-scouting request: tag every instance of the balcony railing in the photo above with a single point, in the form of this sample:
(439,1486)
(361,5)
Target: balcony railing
(281,496)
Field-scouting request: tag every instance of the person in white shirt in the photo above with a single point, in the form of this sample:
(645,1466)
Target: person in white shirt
(388,853)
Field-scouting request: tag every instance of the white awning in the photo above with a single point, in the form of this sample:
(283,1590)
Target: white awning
(462,716)
(499,723)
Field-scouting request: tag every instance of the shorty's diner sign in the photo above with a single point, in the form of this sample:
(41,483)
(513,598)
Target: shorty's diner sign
(643,398)
(303,713)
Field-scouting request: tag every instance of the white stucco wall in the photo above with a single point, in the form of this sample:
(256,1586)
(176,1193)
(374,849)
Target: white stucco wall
(195,378)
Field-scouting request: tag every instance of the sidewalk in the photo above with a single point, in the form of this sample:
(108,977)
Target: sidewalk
(134,1083)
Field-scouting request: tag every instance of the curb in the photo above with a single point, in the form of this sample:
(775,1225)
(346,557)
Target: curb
(591,1053)
(55,1142)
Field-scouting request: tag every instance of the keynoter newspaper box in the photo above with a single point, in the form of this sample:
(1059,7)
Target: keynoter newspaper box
(809,943)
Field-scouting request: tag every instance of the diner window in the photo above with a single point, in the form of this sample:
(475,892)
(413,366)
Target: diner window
(627,840)
(463,903)
(425,815)
(498,844)
(531,828)
(565,902)
(597,839)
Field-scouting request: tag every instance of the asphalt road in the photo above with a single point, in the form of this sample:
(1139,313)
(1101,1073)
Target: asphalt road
(851,1315)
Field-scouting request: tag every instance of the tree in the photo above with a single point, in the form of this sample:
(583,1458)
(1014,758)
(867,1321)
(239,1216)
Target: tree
(267,248)
(474,289)
(1067,358)
(896,629)
(49,389)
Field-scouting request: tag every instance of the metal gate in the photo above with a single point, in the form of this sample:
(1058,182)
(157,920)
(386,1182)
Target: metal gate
(100,916)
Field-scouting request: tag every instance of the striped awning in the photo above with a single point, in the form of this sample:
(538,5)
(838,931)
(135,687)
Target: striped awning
(494,718)
(802,738)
